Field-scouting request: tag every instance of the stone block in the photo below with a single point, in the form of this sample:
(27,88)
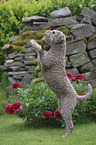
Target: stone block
(91,44)
(62,21)
(34,19)
(69,38)
(79,59)
(86,20)
(18,78)
(94,20)
(82,30)
(87,68)
(13,38)
(87,11)
(30,57)
(10,61)
(15,68)
(17,63)
(27,50)
(12,55)
(19,58)
(11,80)
(90,75)
(63,12)
(75,46)
(94,61)
(26,80)
(86,76)
(30,68)
(20,73)
(93,53)
(28,63)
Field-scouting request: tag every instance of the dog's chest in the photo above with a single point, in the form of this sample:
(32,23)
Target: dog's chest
(51,60)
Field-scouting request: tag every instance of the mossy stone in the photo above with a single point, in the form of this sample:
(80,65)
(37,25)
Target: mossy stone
(27,29)
(35,74)
(43,42)
(20,42)
(93,37)
(78,40)
(28,33)
(64,29)
(37,80)
(39,42)
(18,38)
(46,28)
(17,48)
(38,35)
(36,60)
(37,68)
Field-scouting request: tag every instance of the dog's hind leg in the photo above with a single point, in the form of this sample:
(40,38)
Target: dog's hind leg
(69,125)
(59,102)
(67,107)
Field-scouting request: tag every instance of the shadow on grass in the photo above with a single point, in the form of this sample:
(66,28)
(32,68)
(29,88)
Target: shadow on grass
(23,126)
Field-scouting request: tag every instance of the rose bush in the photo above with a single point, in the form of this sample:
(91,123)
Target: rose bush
(15,85)
(69,74)
(10,109)
(47,113)
(13,107)
(79,76)
(36,98)
(73,79)
(57,114)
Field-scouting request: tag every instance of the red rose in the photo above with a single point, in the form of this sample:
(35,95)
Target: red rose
(78,76)
(16,85)
(73,79)
(10,109)
(81,94)
(16,105)
(69,74)
(57,114)
(47,113)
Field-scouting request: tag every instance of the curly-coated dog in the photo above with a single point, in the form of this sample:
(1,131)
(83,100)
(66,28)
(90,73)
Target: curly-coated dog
(53,64)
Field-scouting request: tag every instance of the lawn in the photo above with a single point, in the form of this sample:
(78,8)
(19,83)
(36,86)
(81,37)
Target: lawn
(13,132)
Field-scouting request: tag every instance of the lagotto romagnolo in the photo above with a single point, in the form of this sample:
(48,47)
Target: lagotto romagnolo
(53,64)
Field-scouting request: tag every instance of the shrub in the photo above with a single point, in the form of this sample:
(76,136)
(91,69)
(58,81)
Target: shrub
(3,95)
(35,99)
(2,58)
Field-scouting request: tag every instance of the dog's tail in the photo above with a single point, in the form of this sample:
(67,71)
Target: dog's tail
(87,96)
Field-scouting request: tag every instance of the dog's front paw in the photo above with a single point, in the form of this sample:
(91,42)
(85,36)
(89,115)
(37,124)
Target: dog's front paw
(35,45)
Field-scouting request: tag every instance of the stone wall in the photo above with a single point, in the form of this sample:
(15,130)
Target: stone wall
(80,32)
(20,66)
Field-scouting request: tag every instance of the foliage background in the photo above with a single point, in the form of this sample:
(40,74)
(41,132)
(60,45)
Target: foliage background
(12,11)
(36,98)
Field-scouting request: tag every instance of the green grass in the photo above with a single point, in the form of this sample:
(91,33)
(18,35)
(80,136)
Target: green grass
(13,132)
(3,85)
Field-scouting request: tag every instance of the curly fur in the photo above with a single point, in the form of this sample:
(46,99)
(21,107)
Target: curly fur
(53,69)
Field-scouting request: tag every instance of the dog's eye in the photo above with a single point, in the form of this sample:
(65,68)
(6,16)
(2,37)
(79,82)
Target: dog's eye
(53,32)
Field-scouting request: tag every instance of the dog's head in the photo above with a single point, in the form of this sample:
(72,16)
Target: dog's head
(54,37)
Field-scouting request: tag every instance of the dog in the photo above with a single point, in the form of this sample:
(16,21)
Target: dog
(53,63)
